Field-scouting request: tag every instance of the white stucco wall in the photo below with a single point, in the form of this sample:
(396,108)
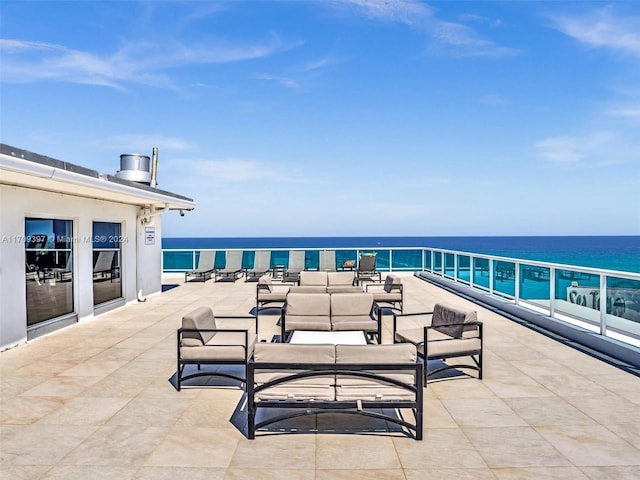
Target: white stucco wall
(17,203)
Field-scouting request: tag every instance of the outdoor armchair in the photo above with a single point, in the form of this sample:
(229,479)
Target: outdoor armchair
(390,294)
(447,332)
(366,269)
(201,341)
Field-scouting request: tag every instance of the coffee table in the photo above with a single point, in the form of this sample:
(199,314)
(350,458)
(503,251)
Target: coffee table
(346,337)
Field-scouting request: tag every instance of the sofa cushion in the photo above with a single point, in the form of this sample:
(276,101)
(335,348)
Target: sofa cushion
(354,322)
(361,388)
(316,304)
(200,318)
(313,278)
(312,388)
(344,289)
(340,278)
(345,304)
(308,289)
(445,315)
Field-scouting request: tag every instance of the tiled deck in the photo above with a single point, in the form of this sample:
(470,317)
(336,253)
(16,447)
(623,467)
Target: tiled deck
(94,401)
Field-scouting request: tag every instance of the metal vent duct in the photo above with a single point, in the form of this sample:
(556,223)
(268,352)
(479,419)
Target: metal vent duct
(135,167)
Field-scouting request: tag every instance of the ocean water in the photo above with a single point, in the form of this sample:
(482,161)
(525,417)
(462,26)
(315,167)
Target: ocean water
(609,252)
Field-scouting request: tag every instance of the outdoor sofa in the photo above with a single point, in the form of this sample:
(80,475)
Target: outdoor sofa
(369,380)
(330,311)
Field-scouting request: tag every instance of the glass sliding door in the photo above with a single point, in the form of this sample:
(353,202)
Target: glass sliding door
(107,284)
(48,269)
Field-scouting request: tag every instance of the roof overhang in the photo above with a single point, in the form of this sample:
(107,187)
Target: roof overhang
(28,170)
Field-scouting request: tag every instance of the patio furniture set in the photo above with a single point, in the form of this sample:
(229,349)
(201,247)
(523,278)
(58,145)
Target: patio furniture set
(325,359)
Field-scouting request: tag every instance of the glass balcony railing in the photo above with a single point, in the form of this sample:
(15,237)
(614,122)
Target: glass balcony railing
(566,293)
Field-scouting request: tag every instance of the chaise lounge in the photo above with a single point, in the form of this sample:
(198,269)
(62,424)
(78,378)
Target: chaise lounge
(205,268)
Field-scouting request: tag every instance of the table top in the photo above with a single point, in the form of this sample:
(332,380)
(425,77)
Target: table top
(349,337)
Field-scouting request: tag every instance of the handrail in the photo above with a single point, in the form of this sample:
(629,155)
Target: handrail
(569,293)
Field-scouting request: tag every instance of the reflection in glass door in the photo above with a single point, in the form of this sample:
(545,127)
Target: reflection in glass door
(107,284)
(48,269)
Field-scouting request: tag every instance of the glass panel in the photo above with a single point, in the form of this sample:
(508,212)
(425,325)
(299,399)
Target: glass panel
(407,259)
(464,270)
(449,264)
(427,259)
(437,262)
(178,260)
(107,282)
(577,298)
(279,258)
(312,259)
(343,256)
(535,287)
(248,257)
(504,277)
(623,310)
(48,269)
(481,272)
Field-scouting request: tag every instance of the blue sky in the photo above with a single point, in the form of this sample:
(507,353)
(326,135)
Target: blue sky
(343,117)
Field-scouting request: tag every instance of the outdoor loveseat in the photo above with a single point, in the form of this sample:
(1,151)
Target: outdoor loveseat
(370,380)
(330,311)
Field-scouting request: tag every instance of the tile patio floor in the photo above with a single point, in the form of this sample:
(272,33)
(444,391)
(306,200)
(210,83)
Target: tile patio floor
(94,401)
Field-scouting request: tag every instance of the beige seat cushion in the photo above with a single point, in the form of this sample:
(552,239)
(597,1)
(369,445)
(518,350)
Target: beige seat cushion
(313,388)
(359,388)
(340,278)
(224,346)
(344,289)
(346,304)
(354,322)
(308,288)
(313,278)
(316,304)
(440,344)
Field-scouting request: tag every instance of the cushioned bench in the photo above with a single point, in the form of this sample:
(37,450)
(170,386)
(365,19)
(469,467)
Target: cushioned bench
(352,379)
(330,311)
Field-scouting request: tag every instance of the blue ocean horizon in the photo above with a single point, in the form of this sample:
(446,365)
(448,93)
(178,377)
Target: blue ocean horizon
(609,252)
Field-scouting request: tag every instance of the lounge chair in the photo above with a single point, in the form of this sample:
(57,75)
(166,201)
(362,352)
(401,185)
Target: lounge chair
(447,332)
(296,265)
(104,265)
(233,267)
(205,268)
(367,269)
(261,265)
(327,261)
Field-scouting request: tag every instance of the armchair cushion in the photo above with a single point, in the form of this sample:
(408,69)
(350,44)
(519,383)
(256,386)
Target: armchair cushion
(445,315)
(201,318)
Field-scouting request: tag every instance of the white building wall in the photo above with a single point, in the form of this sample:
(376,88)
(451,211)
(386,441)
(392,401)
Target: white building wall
(138,261)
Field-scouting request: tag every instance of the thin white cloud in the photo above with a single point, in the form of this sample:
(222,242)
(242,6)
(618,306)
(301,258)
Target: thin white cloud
(602,28)
(144,143)
(139,63)
(404,11)
(493,99)
(226,171)
(630,112)
(284,81)
(599,148)
(446,37)
(462,40)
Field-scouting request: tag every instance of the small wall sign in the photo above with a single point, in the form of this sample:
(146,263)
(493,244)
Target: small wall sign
(150,235)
